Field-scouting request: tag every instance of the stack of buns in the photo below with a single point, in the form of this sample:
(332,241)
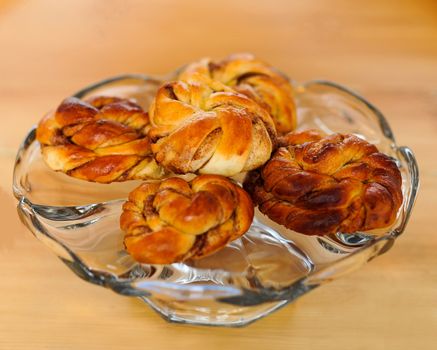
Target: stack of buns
(217,120)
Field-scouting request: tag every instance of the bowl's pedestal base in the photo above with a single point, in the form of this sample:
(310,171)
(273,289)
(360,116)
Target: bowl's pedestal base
(211,312)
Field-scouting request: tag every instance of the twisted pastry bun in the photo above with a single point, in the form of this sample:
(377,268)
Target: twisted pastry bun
(322,185)
(255,79)
(206,127)
(174,220)
(102,140)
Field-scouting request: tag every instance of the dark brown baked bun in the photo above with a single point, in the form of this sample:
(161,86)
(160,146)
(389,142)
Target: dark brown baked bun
(255,79)
(102,140)
(174,220)
(319,185)
(203,126)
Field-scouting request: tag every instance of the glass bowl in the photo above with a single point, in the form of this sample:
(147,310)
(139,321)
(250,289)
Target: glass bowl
(269,267)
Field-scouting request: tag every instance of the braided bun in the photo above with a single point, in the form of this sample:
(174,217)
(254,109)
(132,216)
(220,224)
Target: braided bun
(255,79)
(321,185)
(203,126)
(174,220)
(102,140)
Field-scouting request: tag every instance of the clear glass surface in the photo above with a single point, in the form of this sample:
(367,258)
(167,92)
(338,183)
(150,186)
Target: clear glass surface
(264,270)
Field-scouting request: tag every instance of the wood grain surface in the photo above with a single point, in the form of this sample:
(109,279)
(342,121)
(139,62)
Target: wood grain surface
(386,50)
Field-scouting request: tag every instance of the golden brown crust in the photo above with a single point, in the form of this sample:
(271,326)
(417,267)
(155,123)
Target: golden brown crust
(322,185)
(174,220)
(255,79)
(102,140)
(203,126)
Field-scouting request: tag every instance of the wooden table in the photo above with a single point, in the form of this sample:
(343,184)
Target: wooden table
(387,50)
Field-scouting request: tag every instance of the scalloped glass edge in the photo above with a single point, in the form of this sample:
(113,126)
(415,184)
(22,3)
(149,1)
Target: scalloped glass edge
(259,301)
